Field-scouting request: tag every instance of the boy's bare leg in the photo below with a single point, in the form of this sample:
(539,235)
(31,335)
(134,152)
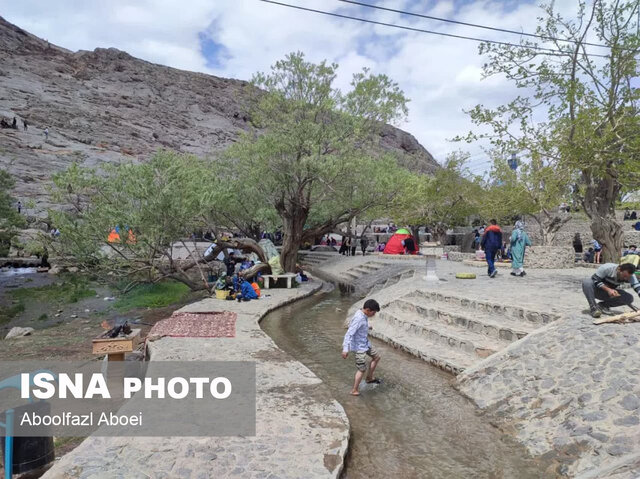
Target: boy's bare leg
(356,384)
(372,368)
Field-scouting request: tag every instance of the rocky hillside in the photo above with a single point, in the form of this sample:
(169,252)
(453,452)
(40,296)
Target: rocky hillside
(107,106)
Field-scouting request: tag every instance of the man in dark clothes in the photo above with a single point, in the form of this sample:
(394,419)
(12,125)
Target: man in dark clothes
(363,245)
(230,263)
(604,285)
(491,243)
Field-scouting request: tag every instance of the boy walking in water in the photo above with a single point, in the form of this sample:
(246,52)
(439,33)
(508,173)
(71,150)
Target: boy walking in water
(357,340)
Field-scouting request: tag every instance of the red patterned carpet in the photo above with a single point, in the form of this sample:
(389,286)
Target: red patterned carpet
(197,325)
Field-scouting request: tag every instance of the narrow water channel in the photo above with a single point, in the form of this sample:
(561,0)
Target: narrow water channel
(414,424)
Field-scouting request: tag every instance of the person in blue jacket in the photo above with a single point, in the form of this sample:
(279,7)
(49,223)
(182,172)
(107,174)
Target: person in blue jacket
(491,243)
(246,291)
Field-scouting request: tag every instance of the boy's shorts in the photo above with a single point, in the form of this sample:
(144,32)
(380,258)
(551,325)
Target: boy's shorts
(361,358)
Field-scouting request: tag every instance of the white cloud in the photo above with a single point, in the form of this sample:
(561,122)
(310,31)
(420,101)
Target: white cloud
(441,76)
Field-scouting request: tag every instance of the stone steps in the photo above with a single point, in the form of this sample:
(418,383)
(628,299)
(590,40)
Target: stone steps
(494,326)
(515,313)
(464,341)
(438,355)
(450,331)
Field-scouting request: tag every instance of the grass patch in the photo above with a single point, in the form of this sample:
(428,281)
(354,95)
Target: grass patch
(70,290)
(7,313)
(156,295)
(42,317)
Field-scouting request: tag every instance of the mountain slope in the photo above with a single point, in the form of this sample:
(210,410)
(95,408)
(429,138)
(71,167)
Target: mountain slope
(107,106)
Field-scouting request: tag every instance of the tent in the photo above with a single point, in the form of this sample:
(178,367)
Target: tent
(394,245)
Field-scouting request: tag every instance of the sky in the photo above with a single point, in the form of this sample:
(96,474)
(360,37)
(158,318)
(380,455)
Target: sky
(441,76)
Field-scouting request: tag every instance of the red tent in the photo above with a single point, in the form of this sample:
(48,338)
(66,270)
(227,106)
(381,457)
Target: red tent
(394,245)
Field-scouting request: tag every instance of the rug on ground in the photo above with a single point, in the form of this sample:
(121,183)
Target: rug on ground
(197,325)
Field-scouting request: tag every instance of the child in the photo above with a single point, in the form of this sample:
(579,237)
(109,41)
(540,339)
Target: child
(356,340)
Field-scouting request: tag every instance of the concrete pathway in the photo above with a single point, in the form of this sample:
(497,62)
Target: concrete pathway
(301,431)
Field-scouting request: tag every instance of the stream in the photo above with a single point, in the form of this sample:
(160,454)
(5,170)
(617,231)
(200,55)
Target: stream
(414,424)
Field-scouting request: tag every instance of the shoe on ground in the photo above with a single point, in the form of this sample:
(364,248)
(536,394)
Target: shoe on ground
(595,312)
(513,273)
(493,273)
(524,273)
(606,310)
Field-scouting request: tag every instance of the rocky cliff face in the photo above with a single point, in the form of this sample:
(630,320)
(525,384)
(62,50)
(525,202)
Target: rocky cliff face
(107,106)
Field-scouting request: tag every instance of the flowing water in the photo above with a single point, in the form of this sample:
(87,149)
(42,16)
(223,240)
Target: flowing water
(414,424)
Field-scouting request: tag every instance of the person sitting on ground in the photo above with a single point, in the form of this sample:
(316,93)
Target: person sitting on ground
(633,249)
(588,255)
(491,242)
(604,285)
(636,226)
(409,245)
(246,291)
(356,340)
(380,247)
(627,215)
(634,216)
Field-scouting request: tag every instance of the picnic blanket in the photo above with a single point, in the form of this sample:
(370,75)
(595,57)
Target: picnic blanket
(197,325)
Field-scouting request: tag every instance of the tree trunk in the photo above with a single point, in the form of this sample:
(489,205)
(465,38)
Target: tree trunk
(293,226)
(599,203)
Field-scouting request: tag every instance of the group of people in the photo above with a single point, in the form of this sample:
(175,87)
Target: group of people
(349,246)
(492,243)
(630,215)
(14,124)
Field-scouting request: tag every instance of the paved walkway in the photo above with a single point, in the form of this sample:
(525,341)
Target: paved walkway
(301,431)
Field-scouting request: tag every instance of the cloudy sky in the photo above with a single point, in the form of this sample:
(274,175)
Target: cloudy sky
(235,38)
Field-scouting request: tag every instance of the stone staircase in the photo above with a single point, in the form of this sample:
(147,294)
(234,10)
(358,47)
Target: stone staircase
(453,332)
(311,259)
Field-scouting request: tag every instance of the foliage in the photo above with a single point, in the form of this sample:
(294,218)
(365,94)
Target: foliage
(155,204)
(446,199)
(313,165)
(7,313)
(586,99)
(536,188)
(156,295)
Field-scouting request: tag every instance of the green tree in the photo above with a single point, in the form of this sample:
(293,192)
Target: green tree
(315,163)
(446,199)
(588,97)
(535,189)
(10,219)
(162,202)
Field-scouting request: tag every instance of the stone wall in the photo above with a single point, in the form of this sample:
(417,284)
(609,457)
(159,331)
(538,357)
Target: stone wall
(457,256)
(550,257)
(453,248)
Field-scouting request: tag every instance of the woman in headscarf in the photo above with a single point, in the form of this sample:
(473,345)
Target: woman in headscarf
(519,242)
